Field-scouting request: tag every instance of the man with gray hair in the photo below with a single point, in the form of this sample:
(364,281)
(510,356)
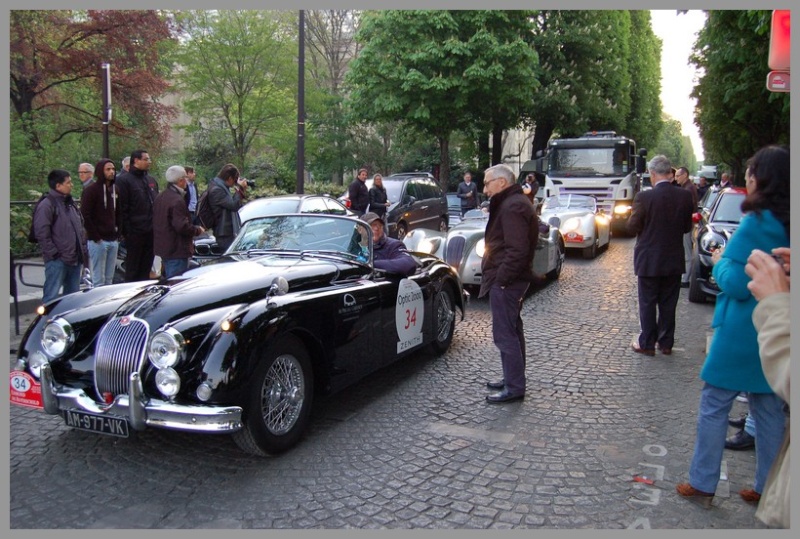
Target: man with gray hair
(660,218)
(511,236)
(86,173)
(173,230)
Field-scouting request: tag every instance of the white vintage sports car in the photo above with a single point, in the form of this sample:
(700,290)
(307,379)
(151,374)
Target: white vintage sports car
(462,247)
(584,226)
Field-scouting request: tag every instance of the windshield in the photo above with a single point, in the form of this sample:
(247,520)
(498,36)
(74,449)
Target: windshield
(570,202)
(571,162)
(307,233)
(728,208)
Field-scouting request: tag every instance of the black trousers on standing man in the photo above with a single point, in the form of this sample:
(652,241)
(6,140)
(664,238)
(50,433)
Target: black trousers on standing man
(658,299)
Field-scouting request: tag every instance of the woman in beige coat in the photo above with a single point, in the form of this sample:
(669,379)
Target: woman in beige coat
(770,286)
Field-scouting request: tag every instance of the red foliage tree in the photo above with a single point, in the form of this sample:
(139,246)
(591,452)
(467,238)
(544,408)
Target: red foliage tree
(55,65)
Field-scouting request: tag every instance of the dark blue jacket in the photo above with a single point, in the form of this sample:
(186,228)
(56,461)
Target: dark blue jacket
(391,255)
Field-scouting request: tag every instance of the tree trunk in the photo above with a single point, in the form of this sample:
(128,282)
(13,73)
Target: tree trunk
(542,133)
(483,156)
(497,145)
(444,158)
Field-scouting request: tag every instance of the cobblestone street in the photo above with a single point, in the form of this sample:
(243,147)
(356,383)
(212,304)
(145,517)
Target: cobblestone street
(416,446)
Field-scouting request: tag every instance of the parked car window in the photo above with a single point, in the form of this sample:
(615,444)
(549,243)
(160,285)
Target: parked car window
(314,205)
(729,209)
(334,207)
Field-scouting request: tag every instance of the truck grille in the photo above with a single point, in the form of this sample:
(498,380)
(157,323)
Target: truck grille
(604,195)
(120,351)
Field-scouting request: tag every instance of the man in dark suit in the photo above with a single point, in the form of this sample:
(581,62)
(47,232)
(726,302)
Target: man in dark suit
(660,218)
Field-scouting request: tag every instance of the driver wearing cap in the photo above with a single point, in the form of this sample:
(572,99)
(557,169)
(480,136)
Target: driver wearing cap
(389,254)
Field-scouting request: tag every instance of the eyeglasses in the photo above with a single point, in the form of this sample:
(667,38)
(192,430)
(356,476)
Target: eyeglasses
(84,172)
(487,182)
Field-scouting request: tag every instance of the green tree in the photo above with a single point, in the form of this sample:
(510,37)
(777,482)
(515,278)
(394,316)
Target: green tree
(237,72)
(735,112)
(585,77)
(428,68)
(644,121)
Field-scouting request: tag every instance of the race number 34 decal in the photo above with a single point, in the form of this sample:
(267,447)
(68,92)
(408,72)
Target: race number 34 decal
(409,315)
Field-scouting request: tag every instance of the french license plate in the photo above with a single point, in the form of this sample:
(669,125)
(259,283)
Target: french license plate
(113,426)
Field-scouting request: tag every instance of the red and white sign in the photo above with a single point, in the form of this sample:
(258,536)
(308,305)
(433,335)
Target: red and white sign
(25,390)
(778,81)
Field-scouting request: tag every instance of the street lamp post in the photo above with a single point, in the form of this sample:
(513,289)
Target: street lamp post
(301,104)
(106,73)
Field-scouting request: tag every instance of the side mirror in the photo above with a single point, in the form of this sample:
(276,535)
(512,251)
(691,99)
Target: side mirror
(554,221)
(279,287)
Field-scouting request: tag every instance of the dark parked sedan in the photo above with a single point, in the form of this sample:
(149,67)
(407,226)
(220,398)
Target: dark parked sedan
(241,345)
(714,228)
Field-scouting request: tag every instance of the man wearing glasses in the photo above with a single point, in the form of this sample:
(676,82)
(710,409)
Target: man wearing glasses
(511,235)
(684,181)
(137,192)
(85,173)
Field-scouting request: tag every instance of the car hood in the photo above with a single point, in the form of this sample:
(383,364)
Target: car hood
(726,229)
(227,281)
(564,214)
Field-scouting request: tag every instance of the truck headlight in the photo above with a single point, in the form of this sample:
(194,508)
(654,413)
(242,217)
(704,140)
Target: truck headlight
(57,337)
(166,348)
(621,209)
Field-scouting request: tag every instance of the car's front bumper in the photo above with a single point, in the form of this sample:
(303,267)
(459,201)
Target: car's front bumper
(139,410)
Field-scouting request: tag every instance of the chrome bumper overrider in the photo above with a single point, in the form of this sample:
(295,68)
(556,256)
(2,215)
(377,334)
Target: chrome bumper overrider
(140,411)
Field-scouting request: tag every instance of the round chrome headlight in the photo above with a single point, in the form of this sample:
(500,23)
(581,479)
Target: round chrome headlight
(166,348)
(711,241)
(480,248)
(57,337)
(168,382)
(573,223)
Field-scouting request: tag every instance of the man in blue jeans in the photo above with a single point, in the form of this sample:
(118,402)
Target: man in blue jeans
(58,228)
(511,235)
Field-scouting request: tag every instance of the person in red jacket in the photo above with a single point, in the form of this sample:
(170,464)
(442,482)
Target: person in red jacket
(173,230)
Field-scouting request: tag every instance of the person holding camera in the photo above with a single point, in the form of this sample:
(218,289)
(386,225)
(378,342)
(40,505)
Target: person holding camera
(732,364)
(227,192)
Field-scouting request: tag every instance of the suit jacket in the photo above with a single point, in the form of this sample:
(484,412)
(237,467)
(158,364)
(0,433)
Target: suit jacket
(660,218)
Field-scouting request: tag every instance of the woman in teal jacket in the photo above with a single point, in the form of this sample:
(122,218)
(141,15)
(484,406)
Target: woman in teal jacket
(733,364)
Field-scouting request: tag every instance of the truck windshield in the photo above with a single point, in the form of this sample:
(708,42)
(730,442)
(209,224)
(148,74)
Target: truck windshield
(582,162)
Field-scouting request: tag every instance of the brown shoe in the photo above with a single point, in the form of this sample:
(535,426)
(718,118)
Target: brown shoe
(687,491)
(666,351)
(749,495)
(639,350)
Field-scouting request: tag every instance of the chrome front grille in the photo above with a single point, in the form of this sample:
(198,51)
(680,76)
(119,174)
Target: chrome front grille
(120,351)
(455,251)
(604,195)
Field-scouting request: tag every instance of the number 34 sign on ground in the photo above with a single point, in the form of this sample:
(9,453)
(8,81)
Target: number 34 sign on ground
(409,315)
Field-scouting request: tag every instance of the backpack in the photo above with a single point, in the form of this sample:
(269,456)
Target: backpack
(204,215)
(32,232)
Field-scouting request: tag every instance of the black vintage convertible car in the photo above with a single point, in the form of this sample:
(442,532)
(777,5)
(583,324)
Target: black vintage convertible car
(240,345)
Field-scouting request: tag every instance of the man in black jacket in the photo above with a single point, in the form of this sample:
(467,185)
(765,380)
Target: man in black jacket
(137,192)
(358,193)
(660,218)
(511,236)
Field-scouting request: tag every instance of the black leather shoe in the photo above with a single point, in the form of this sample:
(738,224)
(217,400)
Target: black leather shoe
(500,384)
(737,423)
(504,396)
(740,441)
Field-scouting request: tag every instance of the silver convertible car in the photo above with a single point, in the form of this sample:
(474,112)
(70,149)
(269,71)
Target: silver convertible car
(462,247)
(584,226)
